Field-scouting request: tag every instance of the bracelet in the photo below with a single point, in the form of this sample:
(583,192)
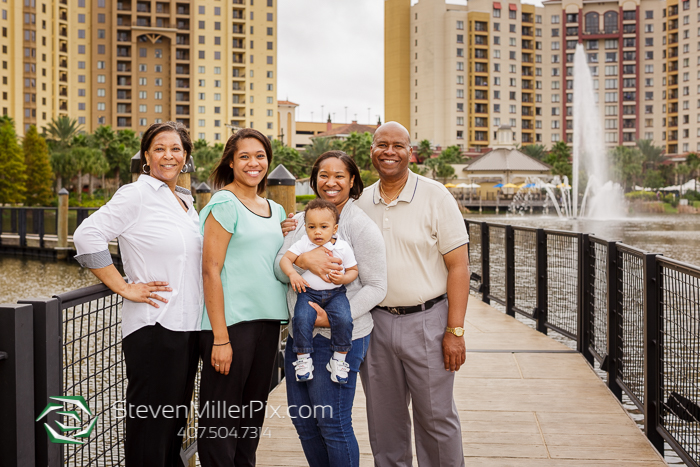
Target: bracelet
(218,345)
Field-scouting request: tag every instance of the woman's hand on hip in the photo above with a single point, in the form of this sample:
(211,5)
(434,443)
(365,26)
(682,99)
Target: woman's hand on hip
(221,357)
(319,261)
(289,224)
(145,293)
(321,316)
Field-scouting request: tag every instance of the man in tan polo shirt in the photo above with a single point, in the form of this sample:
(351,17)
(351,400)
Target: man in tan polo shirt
(417,343)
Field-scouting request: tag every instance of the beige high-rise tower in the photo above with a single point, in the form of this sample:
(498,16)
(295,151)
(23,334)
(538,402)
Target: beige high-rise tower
(475,67)
(208,64)
(397,61)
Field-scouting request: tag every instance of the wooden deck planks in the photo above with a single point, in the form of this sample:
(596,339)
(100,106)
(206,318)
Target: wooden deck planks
(517,409)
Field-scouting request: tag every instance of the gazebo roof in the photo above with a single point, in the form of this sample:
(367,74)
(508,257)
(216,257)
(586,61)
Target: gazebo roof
(506,159)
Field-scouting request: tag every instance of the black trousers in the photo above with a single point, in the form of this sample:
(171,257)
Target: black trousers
(232,407)
(161,366)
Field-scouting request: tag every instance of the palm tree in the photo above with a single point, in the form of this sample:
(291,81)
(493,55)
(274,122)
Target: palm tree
(357,146)
(424,151)
(103,137)
(62,130)
(653,155)
(536,151)
(318,146)
(693,162)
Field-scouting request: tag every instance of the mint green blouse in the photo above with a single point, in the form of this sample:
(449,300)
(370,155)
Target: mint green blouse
(251,290)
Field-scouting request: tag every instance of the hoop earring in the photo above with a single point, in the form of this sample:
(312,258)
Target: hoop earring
(144,169)
(184,169)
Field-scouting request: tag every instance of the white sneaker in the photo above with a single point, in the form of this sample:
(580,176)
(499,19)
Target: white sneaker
(304,369)
(339,371)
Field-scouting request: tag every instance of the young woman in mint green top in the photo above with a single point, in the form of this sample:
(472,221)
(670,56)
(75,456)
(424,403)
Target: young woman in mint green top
(251,291)
(245,303)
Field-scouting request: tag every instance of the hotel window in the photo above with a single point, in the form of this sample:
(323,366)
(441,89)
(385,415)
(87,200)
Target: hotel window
(158,109)
(143,94)
(460,66)
(101,106)
(101,92)
(101,78)
(143,122)
(460,121)
(143,108)
(460,24)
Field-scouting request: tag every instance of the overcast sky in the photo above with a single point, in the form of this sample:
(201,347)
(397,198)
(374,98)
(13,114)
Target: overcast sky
(331,54)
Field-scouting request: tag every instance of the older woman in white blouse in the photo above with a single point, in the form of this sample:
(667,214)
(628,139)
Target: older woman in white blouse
(161,248)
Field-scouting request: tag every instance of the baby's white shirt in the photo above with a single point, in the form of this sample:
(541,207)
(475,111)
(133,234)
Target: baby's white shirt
(341,249)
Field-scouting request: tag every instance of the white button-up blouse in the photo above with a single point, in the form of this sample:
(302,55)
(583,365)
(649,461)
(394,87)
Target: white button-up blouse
(158,241)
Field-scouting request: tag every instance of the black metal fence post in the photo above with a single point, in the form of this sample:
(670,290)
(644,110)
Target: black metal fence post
(510,270)
(17,386)
(22,227)
(48,373)
(541,272)
(653,379)
(612,361)
(583,338)
(485,267)
(38,221)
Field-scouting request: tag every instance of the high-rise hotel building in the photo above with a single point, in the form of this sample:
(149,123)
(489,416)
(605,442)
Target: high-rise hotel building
(455,73)
(210,64)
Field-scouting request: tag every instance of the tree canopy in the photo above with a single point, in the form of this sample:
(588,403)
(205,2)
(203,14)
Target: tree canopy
(12,168)
(39,176)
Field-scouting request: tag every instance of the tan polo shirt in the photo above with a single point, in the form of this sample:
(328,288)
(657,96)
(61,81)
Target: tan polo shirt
(420,226)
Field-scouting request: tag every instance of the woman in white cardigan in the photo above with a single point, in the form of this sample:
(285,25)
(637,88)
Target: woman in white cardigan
(161,247)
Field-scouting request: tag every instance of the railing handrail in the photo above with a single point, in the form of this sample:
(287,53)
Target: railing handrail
(679,266)
(82,295)
(631,250)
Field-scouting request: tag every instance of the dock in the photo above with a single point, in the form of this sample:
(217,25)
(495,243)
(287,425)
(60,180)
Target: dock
(524,399)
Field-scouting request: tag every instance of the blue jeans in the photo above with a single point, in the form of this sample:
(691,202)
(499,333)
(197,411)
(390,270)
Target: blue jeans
(337,307)
(321,410)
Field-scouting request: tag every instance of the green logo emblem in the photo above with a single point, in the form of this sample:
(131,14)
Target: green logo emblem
(74,428)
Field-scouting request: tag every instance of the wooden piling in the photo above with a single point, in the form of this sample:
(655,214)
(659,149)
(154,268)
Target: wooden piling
(62,230)
(203,196)
(281,188)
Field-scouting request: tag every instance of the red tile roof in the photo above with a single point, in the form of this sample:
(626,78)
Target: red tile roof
(347,129)
(286,103)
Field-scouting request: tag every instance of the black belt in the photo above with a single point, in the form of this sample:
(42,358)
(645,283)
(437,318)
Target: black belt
(407,310)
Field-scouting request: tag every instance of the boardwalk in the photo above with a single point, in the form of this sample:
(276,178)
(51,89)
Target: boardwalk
(524,400)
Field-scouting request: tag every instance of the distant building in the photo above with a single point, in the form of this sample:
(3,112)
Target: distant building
(455,73)
(130,63)
(299,134)
(504,165)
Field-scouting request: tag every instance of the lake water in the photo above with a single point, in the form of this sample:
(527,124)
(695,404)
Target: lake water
(32,278)
(675,235)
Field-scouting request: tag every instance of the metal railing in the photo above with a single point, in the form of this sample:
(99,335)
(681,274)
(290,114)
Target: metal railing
(636,314)
(73,348)
(40,221)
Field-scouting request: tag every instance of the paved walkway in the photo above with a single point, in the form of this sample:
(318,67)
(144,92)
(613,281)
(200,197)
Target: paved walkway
(524,400)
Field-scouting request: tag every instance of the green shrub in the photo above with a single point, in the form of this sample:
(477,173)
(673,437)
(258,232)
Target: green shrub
(641,195)
(692,195)
(304,199)
(671,199)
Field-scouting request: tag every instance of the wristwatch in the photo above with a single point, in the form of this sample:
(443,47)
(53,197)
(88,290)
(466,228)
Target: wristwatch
(458,331)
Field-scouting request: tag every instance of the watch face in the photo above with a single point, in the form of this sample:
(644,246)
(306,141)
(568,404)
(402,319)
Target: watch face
(459,332)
